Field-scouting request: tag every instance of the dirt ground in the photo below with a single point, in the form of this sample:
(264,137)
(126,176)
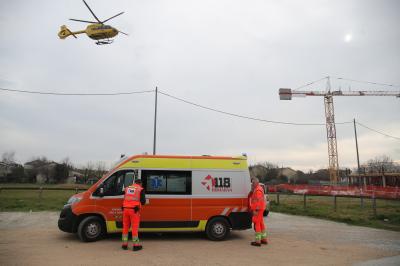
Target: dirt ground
(34,239)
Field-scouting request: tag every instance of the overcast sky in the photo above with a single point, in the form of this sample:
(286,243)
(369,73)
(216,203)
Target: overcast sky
(228,55)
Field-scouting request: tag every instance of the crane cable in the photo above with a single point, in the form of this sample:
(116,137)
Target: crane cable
(351,80)
(368,82)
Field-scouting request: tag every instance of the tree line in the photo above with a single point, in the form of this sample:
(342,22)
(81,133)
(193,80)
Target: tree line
(42,170)
(270,173)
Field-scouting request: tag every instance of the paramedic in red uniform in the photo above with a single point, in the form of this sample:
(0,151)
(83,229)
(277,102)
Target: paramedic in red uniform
(134,198)
(257,207)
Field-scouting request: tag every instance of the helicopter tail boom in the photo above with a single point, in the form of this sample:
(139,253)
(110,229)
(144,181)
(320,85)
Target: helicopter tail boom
(65,32)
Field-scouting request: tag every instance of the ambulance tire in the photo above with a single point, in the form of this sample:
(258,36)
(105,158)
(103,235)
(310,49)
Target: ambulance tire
(217,229)
(91,229)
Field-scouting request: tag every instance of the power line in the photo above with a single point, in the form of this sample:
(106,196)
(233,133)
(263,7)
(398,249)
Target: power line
(379,132)
(195,104)
(243,116)
(168,95)
(76,94)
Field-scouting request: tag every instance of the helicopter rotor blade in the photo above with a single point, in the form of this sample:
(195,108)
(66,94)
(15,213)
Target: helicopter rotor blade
(123,33)
(113,17)
(92,12)
(79,20)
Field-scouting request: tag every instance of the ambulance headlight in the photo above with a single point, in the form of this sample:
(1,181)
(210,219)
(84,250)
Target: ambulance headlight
(72,200)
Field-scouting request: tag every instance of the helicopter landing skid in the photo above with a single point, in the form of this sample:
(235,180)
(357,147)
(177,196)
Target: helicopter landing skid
(107,41)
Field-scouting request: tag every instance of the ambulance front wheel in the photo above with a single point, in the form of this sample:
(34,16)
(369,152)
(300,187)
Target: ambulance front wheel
(91,229)
(217,229)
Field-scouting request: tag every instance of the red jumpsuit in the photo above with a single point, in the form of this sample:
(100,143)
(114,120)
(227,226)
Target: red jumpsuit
(130,215)
(257,206)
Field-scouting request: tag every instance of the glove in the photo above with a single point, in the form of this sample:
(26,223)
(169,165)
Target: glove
(136,209)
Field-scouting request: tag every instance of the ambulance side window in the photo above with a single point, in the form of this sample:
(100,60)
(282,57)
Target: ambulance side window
(110,185)
(129,178)
(167,182)
(115,184)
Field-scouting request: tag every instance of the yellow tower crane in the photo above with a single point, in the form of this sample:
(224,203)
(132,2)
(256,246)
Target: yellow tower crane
(287,94)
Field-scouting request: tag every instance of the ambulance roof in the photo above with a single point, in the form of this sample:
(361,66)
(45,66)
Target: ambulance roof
(184,162)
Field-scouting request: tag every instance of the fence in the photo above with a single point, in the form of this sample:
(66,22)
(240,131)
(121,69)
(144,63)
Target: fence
(343,204)
(366,191)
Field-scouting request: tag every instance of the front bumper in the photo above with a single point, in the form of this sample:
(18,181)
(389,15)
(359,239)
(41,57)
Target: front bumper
(68,220)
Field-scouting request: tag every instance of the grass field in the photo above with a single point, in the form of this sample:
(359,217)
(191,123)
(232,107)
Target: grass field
(29,185)
(26,200)
(348,210)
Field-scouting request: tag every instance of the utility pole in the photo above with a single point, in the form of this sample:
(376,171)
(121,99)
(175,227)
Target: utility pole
(155,123)
(358,157)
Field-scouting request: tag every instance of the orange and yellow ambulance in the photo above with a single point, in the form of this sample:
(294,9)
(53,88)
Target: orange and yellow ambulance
(183,193)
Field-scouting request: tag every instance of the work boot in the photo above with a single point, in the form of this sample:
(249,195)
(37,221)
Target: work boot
(264,241)
(257,244)
(137,248)
(124,247)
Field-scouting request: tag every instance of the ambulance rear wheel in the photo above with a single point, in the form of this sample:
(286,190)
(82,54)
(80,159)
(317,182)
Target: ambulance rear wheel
(91,229)
(217,229)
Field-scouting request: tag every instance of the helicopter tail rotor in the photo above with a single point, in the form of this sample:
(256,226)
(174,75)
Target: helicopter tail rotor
(123,33)
(65,32)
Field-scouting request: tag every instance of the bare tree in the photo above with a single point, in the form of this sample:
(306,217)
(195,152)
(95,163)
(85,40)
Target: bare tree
(89,170)
(101,169)
(381,163)
(42,159)
(8,157)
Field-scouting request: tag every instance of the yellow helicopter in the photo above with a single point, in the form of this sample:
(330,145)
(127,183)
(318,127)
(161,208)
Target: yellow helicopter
(96,30)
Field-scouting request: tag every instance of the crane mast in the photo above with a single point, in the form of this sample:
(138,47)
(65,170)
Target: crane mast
(288,94)
(331,137)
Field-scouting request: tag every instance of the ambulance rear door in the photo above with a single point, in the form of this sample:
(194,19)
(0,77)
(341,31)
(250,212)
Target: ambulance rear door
(219,192)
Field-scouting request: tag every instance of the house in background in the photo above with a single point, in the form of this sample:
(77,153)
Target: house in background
(10,172)
(287,172)
(74,177)
(41,171)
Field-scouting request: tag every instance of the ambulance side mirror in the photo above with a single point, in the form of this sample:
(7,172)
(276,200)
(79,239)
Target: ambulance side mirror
(100,191)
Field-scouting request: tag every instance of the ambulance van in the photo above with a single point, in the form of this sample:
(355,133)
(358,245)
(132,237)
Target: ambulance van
(183,194)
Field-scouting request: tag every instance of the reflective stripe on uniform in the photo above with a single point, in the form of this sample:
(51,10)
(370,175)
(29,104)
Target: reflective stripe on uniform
(264,235)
